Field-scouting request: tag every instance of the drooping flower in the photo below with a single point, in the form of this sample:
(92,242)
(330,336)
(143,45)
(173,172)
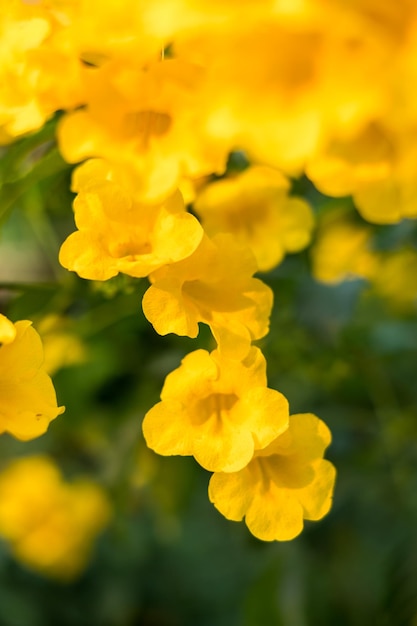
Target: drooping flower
(147,117)
(285,483)
(255,207)
(214,285)
(216,409)
(27,396)
(50,524)
(118,234)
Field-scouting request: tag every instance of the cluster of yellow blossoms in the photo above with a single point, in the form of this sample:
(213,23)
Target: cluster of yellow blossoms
(50,523)
(168,88)
(345,250)
(154,97)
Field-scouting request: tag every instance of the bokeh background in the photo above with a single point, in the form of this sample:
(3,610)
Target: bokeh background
(344,351)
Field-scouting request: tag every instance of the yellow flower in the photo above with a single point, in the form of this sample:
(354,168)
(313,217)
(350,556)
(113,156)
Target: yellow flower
(395,278)
(7,331)
(255,207)
(51,524)
(377,167)
(342,251)
(346,166)
(217,410)
(117,234)
(147,117)
(19,34)
(284,484)
(215,286)
(40,71)
(27,396)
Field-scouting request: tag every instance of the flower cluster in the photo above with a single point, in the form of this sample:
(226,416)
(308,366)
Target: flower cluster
(157,103)
(256,208)
(49,523)
(346,250)
(284,483)
(171,90)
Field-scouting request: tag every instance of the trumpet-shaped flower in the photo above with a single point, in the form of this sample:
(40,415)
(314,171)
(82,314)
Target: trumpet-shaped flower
(147,118)
(218,410)
(377,167)
(50,524)
(214,285)
(27,396)
(117,234)
(284,484)
(255,207)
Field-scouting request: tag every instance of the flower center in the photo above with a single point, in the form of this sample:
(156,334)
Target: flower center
(215,406)
(147,125)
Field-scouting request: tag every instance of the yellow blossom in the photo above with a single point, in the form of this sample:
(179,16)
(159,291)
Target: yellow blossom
(290,55)
(7,331)
(342,251)
(50,524)
(117,234)
(19,111)
(255,207)
(395,278)
(214,285)
(377,167)
(27,396)
(284,484)
(347,165)
(218,410)
(35,56)
(148,118)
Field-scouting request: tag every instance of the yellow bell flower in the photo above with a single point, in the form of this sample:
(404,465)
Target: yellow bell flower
(377,167)
(50,524)
(147,117)
(214,285)
(216,409)
(19,34)
(255,207)
(40,71)
(395,278)
(27,396)
(342,251)
(284,484)
(117,234)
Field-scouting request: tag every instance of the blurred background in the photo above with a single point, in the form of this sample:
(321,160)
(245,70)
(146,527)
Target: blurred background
(344,349)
